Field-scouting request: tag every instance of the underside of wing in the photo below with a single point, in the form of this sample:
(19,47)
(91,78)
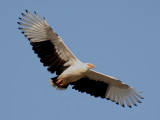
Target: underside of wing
(100,85)
(49,57)
(92,87)
(49,47)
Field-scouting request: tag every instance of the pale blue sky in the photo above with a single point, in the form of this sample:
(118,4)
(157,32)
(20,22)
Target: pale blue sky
(121,37)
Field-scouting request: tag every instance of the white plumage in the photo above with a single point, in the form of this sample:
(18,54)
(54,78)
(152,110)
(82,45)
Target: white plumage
(54,54)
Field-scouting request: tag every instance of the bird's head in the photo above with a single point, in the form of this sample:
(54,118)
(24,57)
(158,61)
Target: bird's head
(89,65)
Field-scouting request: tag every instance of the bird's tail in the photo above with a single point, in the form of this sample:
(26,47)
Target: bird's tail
(53,83)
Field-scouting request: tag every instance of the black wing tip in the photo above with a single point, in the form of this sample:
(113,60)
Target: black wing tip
(140,102)
(127,105)
(35,12)
(23,14)
(130,106)
(19,23)
(26,11)
(20,28)
(135,104)
(20,18)
(122,105)
(117,103)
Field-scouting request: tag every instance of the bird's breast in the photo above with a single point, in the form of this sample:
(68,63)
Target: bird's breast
(74,73)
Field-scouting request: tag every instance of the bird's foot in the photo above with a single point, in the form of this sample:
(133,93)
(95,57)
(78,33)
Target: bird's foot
(62,84)
(59,82)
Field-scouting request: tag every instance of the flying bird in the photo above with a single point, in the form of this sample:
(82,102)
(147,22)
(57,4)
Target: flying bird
(54,54)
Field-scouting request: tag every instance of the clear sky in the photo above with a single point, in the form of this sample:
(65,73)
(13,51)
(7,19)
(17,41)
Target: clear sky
(121,37)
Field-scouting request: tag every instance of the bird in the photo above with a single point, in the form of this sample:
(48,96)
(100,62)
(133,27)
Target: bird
(70,71)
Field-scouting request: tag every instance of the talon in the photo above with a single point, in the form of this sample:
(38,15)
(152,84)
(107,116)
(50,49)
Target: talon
(59,82)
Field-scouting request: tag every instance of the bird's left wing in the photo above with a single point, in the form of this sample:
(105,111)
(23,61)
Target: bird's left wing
(100,85)
(46,43)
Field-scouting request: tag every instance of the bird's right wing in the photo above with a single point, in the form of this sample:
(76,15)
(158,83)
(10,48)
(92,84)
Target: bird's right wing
(100,85)
(46,43)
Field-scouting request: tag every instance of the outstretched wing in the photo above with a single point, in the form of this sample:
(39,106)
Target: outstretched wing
(46,43)
(100,85)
